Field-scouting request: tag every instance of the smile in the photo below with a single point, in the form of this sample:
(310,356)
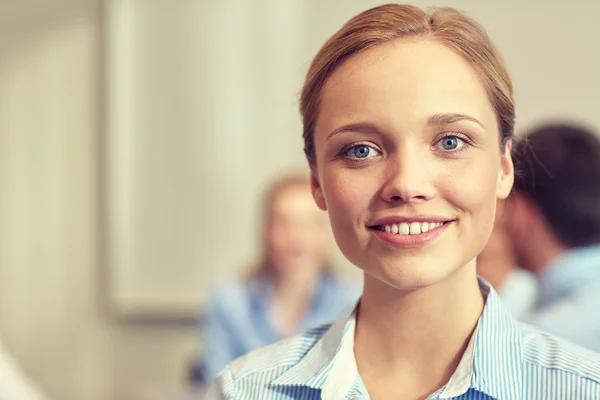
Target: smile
(412,228)
(410,233)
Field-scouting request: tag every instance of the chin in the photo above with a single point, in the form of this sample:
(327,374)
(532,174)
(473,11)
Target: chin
(413,274)
(408,268)
(412,280)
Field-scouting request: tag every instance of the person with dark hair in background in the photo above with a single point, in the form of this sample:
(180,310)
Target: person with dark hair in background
(293,287)
(554,221)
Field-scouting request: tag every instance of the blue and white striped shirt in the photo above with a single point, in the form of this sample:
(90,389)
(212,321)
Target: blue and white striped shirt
(505,359)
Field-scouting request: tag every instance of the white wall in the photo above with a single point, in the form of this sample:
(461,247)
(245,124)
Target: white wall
(248,59)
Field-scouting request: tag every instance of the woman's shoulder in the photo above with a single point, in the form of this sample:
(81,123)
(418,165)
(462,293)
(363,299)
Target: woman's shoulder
(543,351)
(257,370)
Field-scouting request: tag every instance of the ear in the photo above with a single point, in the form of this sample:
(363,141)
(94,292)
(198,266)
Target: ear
(506,174)
(315,187)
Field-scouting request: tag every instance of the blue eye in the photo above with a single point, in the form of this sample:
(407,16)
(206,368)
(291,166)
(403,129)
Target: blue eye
(450,143)
(360,151)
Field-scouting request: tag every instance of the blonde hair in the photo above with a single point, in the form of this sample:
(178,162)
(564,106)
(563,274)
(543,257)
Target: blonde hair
(393,21)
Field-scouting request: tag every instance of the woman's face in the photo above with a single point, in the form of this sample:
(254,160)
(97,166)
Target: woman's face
(408,162)
(296,234)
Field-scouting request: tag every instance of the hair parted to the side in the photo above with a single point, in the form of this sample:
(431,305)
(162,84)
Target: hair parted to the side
(394,21)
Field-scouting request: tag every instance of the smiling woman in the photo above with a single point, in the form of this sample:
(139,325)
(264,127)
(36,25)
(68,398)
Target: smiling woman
(423,160)
(408,124)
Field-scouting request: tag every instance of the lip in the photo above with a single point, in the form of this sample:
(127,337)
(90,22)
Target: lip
(410,241)
(417,218)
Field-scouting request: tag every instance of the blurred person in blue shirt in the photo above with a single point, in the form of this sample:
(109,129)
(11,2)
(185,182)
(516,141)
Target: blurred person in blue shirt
(554,220)
(293,288)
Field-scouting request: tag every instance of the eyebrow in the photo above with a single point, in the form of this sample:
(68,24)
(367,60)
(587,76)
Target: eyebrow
(442,119)
(360,127)
(435,119)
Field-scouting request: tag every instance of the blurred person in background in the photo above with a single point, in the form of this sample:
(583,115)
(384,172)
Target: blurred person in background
(14,384)
(554,221)
(293,287)
(497,264)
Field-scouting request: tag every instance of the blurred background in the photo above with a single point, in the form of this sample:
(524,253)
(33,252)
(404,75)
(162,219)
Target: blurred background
(136,140)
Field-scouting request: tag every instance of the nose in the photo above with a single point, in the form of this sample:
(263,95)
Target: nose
(408,178)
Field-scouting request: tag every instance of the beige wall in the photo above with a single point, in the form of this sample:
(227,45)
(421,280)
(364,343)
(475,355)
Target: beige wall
(51,261)
(51,276)
(49,314)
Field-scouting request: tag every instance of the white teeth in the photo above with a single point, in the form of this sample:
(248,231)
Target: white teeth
(404,228)
(413,228)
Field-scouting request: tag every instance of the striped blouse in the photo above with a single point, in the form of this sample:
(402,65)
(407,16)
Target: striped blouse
(504,359)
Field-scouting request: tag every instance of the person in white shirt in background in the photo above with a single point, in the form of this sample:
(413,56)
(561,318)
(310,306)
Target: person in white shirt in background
(14,384)
(497,264)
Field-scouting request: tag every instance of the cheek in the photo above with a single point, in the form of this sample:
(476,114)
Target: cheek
(472,189)
(347,196)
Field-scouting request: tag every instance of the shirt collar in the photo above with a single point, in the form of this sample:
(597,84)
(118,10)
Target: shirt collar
(498,358)
(314,368)
(568,273)
(491,363)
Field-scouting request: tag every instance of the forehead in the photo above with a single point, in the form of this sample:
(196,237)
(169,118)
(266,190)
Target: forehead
(407,78)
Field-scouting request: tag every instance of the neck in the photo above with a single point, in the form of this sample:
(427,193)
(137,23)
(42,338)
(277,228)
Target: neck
(416,339)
